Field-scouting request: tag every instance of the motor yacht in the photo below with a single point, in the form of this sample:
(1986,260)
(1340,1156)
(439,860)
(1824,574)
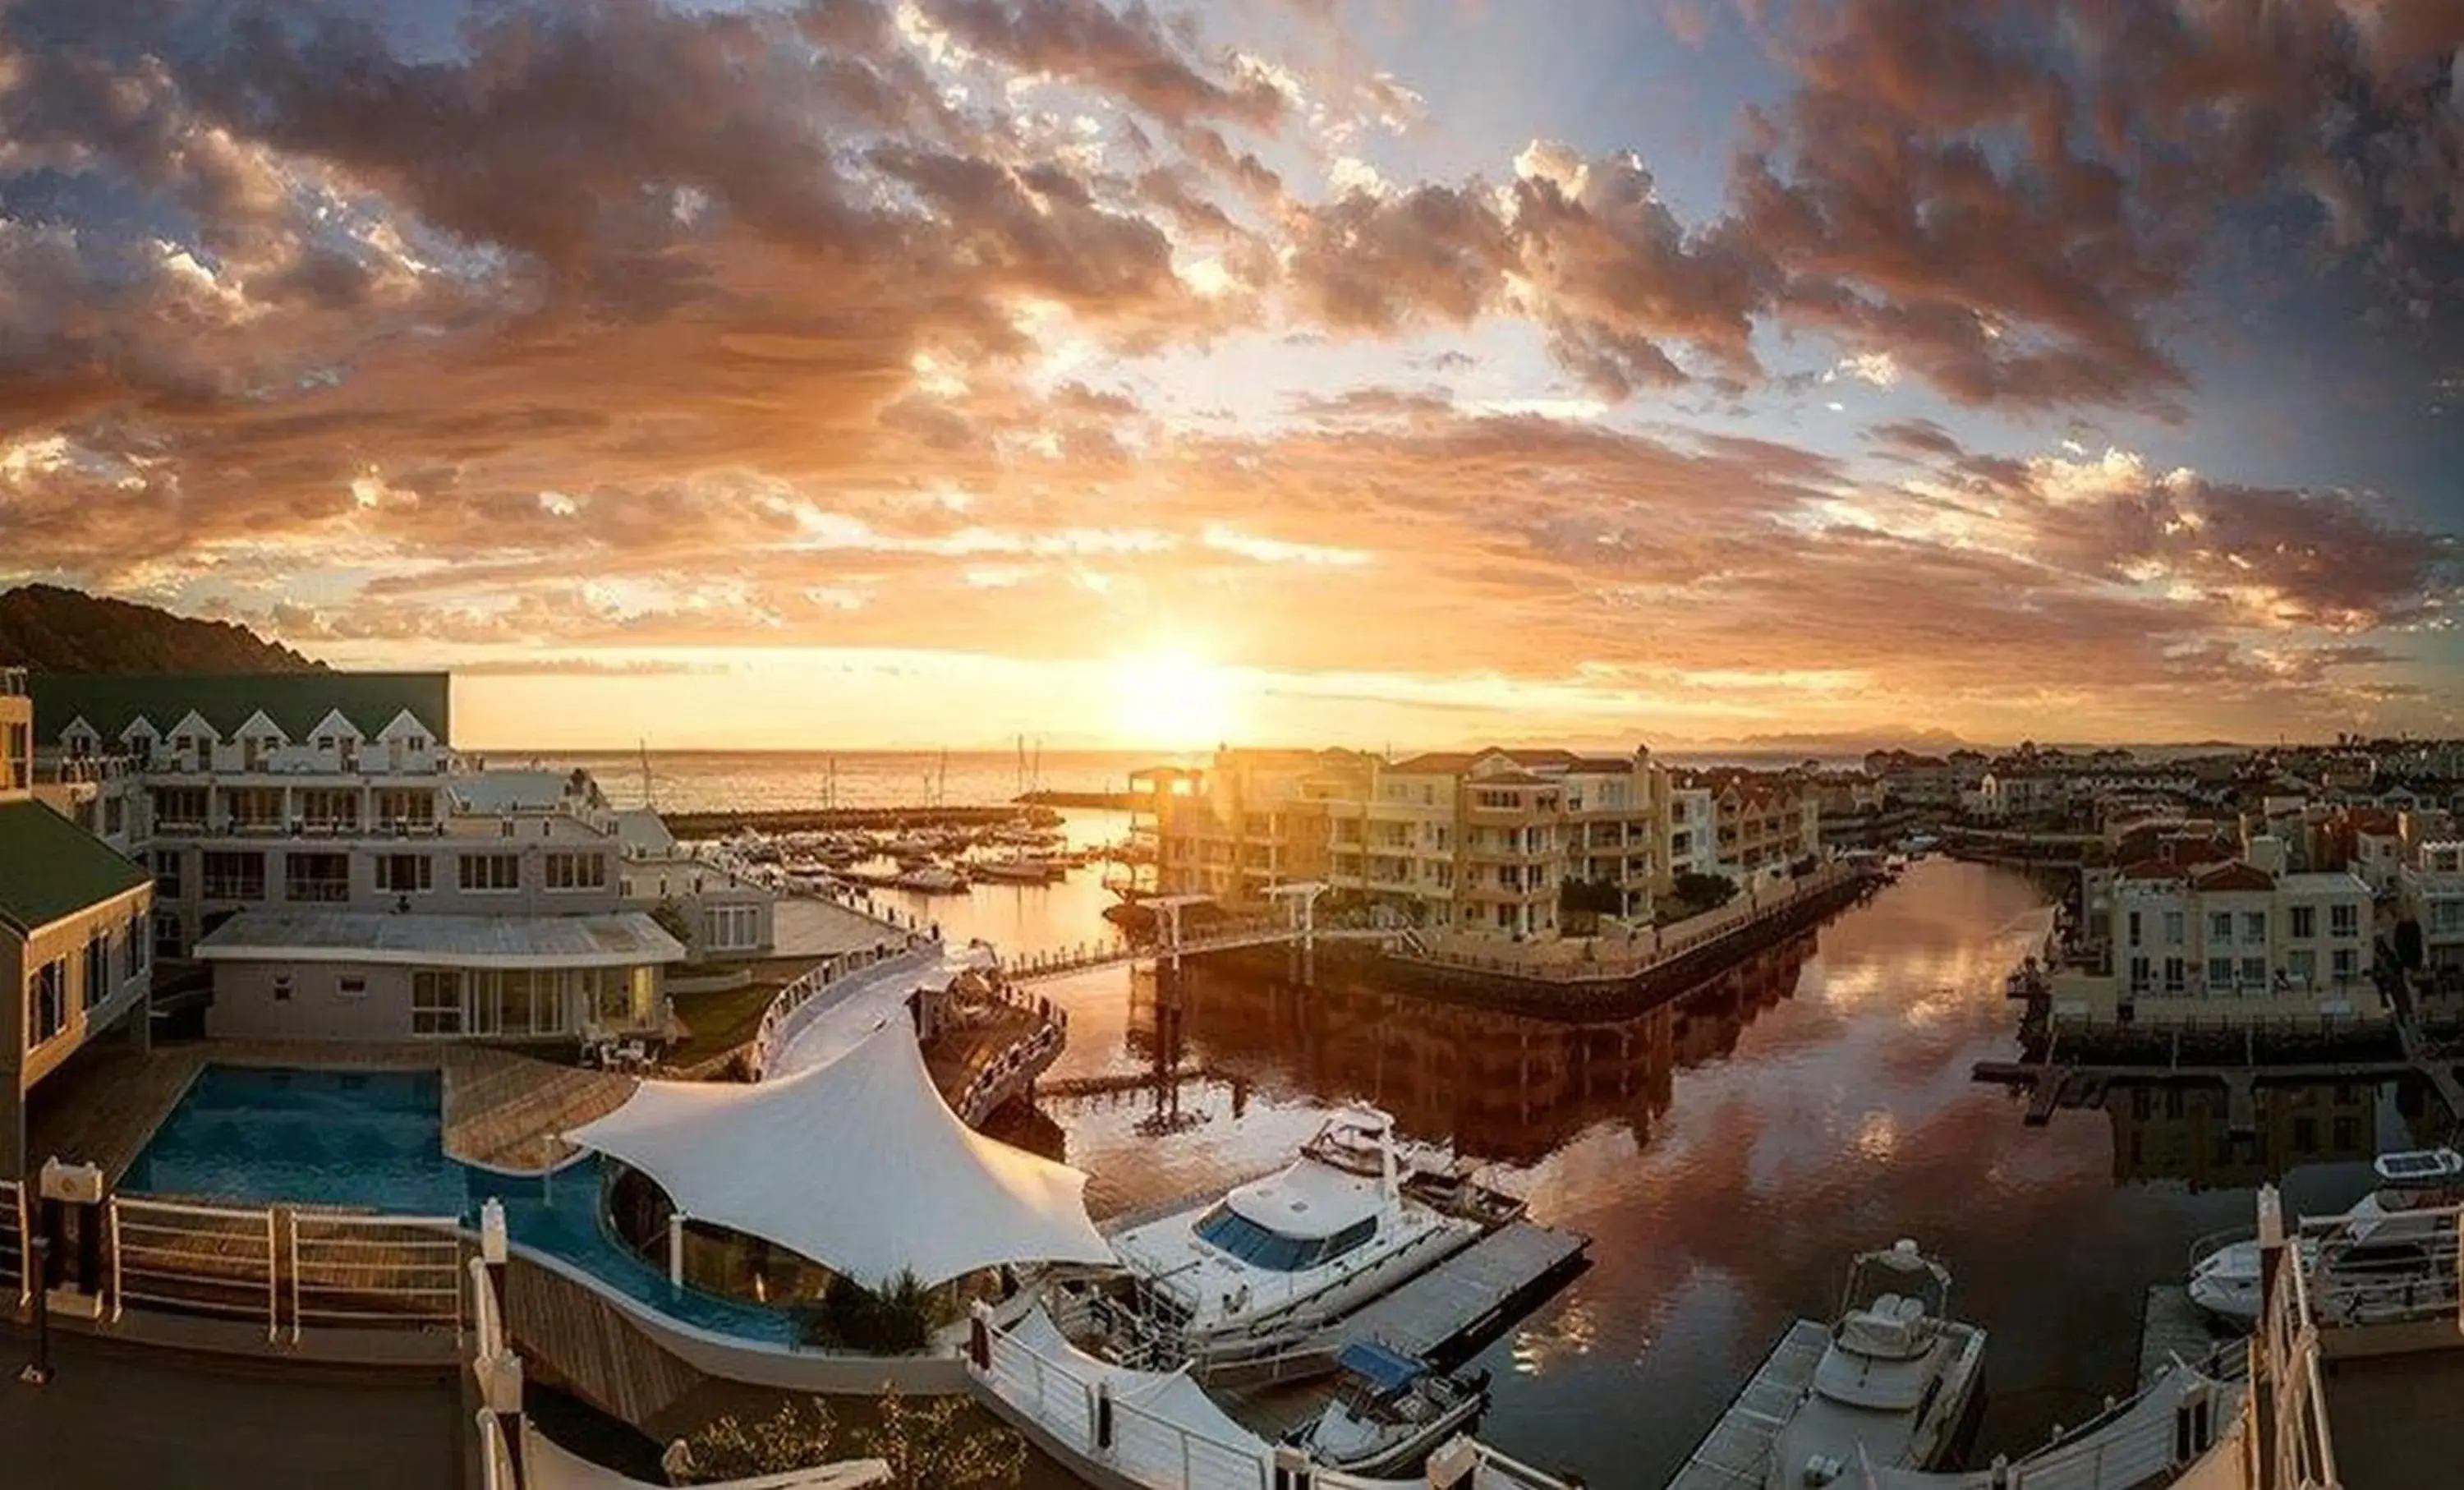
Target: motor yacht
(1390,1412)
(2393,1230)
(1895,1381)
(1279,1259)
(932,879)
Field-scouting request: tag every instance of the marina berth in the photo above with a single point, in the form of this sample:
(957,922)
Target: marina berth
(1276,1260)
(2392,1233)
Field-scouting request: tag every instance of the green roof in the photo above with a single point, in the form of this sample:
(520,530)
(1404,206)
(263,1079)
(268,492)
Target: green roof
(296,701)
(50,867)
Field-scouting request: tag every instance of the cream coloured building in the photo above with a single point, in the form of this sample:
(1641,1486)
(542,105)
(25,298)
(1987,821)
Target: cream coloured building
(1468,841)
(2230,942)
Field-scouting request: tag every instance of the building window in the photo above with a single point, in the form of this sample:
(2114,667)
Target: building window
(179,807)
(167,864)
(577,871)
(316,877)
(397,807)
(2173,929)
(2343,920)
(733,927)
(492,873)
(2138,970)
(2302,964)
(330,809)
(2253,925)
(2220,926)
(2305,923)
(282,988)
(351,986)
(435,1002)
(2173,975)
(2253,971)
(2347,962)
(48,1002)
(2134,929)
(133,958)
(166,933)
(98,971)
(234,874)
(115,815)
(2219,975)
(406,874)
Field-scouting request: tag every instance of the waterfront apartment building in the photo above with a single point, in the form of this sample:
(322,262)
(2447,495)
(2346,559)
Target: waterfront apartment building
(1482,840)
(2430,893)
(2224,942)
(312,834)
(74,948)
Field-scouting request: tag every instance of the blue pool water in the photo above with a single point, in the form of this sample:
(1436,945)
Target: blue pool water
(247,1135)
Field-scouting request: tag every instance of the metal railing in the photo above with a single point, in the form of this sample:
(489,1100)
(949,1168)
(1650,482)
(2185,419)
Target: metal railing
(201,1258)
(818,987)
(13,1228)
(1140,1445)
(355,1271)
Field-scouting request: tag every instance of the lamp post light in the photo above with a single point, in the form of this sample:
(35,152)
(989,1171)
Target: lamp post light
(38,1370)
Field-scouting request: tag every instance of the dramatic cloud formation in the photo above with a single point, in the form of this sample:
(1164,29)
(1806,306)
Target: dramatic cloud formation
(594,340)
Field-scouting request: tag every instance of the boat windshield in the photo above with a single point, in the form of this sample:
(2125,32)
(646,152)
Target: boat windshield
(1260,1246)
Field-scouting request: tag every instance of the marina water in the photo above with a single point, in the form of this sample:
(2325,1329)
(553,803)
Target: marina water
(1727,1151)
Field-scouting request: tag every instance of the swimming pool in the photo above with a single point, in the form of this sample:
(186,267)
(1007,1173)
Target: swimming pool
(249,1135)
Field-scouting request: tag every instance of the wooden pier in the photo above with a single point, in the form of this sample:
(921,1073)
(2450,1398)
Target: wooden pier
(1458,1305)
(2055,1082)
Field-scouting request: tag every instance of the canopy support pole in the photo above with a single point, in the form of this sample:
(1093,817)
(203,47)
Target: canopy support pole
(675,1249)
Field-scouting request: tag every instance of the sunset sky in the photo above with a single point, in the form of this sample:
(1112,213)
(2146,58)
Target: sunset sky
(861,373)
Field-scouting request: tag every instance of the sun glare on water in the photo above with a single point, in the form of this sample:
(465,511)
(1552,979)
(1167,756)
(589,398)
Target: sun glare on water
(1174,700)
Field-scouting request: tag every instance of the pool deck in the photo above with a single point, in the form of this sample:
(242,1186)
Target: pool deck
(502,1110)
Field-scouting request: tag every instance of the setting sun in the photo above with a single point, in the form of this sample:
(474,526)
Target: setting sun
(1174,700)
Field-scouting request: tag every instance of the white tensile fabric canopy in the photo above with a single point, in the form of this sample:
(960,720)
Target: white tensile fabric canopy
(858,1164)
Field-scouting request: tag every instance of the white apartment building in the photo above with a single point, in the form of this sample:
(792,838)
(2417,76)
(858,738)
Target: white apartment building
(2226,941)
(295,823)
(2430,889)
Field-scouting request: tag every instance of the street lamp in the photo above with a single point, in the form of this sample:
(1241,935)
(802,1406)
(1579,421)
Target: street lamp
(38,1370)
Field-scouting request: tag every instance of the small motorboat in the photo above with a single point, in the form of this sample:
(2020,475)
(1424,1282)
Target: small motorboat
(1014,871)
(932,879)
(1895,1382)
(1390,1412)
(2389,1233)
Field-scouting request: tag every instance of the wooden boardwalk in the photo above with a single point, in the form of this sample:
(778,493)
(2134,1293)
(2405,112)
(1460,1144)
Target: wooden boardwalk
(1469,1294)
(501,1110)
(588,1345)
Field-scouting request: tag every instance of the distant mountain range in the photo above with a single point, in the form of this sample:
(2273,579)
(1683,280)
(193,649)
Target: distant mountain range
(46,628)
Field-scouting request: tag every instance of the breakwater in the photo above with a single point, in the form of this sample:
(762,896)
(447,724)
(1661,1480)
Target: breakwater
(827,819)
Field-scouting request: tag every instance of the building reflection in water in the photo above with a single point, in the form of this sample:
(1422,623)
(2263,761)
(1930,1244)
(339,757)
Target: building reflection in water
(1503,1087)
(2182,1131)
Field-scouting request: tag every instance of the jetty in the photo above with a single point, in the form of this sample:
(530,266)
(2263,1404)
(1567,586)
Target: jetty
(1448,1312)
(833,820)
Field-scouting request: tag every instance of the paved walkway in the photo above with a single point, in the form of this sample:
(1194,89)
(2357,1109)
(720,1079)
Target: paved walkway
(113,1419)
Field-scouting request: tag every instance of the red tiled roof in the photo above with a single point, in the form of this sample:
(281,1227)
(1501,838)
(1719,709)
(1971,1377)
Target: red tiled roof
(2235,875)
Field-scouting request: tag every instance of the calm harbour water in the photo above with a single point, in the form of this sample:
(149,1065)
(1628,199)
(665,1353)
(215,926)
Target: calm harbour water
(1726,1150)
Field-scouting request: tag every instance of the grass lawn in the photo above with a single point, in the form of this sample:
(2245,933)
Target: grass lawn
(721,1021)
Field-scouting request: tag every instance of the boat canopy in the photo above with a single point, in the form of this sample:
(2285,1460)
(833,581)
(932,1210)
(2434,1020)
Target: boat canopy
(1387,1371)
(2420,1167)
(857,1164)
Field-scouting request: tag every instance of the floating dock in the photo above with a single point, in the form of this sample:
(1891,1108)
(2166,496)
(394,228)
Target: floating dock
(1464,1298)
(1735,1454)
(1442,1315)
